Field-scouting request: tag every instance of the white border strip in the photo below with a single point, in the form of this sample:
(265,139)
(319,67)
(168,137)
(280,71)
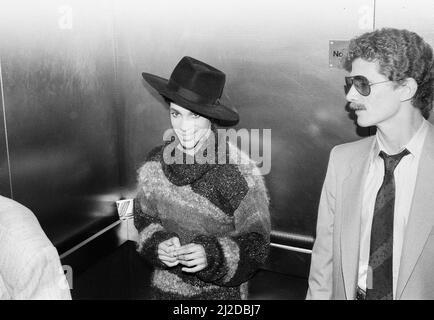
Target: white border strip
(81,244)
(296,249)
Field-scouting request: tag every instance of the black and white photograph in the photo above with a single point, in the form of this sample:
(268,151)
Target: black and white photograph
(216,155)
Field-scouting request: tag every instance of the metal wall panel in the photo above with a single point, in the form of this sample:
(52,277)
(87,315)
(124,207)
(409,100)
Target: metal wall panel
(275,56)
(59,84)
(81,122)
(416,15)
(5,187)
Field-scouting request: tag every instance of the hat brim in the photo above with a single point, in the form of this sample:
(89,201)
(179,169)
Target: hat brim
(223,115)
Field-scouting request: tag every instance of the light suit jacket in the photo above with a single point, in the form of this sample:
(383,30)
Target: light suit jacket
(29,263)
(335,255)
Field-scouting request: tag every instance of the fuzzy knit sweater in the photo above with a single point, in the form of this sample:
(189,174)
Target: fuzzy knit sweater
(223,207)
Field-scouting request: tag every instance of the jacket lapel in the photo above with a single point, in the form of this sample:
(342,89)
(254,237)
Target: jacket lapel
(351,209)
(421,217)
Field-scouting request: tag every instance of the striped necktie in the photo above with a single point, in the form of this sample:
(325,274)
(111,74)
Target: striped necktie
(380,271)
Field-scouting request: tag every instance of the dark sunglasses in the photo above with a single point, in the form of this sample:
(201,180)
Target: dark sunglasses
(361,83)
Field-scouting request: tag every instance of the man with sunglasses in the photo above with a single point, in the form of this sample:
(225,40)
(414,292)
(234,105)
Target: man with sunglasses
(375,228)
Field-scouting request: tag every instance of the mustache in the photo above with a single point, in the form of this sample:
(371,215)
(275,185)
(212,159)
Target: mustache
(357,106)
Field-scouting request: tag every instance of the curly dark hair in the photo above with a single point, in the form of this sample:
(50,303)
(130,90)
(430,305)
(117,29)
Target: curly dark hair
(400,54)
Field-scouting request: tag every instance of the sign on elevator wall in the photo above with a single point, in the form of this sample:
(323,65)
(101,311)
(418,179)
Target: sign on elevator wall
(337,51)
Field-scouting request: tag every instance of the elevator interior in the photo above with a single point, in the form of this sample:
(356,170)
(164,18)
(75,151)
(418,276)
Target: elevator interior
(77,122)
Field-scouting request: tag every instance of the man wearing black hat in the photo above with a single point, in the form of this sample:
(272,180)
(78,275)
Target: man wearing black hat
(205,227)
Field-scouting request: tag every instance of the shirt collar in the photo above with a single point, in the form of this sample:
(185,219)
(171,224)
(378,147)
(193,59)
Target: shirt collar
(414,145)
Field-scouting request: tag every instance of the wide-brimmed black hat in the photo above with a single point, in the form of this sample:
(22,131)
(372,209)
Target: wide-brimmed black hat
(198,87)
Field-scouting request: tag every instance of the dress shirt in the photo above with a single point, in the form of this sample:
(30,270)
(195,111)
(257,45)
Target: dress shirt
(405,180)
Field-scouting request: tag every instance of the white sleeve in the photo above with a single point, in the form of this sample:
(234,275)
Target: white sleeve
(42,278)
(321,268)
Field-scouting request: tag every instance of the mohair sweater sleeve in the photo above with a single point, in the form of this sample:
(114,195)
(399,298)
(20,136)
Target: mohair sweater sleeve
(151,231)
(233,259)
(146,219)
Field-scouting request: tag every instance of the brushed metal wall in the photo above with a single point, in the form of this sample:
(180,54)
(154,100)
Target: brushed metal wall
(59,87)
(275,56)
(80,121)
(5,187)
